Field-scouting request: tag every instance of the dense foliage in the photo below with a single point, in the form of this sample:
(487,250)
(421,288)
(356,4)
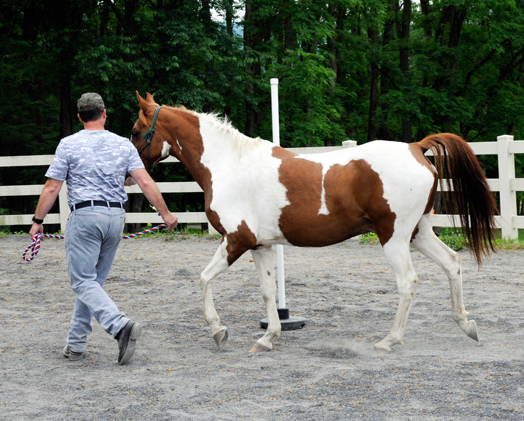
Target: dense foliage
(348,69)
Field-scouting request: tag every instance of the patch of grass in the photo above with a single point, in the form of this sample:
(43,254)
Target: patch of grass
(505,244)
(216,236)
(453,239)
(181,232)
(187,233)
(370,238)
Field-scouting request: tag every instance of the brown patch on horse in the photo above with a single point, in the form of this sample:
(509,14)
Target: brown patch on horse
(353,196)
(212,216)
(239,242)
(187,125)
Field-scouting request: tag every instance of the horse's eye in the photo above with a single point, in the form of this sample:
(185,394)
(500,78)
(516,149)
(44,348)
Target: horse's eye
(134,133)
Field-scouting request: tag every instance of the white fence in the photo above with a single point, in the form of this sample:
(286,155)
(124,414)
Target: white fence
(505,147)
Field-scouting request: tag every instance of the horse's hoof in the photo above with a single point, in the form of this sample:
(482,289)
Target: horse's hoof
(472,330)
(381,349)
(259,348)
(220,338)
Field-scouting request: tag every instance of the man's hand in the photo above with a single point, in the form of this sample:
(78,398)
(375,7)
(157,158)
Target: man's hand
(171,220)
(36,228)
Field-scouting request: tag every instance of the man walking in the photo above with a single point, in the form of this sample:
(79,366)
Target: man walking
(94,163)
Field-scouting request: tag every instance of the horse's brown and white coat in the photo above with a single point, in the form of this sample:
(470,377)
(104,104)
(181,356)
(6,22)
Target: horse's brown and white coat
(258,194)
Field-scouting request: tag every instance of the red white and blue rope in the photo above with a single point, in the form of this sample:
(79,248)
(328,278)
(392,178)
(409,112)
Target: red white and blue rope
(147,231)
(34,247)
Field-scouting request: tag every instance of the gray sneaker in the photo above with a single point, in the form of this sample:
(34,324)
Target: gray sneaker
(127,340)
(72,355)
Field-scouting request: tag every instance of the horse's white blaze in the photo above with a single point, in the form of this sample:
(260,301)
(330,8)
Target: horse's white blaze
(249,173)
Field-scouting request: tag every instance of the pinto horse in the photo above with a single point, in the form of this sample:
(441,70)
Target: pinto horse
(258,194)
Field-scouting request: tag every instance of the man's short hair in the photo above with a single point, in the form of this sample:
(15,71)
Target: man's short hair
(90,106)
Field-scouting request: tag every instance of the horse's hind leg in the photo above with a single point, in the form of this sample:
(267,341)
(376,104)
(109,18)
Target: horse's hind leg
(263,258)
(430,245)
(217,265)
(397,255)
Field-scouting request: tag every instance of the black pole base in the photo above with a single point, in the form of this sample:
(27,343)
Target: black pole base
(287,323)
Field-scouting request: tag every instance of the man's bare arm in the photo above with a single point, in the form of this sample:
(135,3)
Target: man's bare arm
(152,193)
(45,203)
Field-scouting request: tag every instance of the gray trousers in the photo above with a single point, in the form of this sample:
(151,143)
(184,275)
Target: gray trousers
(92,237)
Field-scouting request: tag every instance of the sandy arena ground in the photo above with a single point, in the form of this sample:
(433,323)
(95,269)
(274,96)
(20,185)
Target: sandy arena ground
(325,371)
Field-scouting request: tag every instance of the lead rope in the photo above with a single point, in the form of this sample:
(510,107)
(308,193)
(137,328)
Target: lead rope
(35,241)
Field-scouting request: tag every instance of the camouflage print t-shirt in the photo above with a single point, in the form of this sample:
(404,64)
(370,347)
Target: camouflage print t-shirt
(94,164)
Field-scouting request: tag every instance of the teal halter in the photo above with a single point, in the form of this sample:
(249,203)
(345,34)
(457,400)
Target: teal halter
(148,137)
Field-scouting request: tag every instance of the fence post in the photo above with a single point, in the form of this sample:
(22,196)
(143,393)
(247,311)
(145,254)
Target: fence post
(349,143)
(508,197)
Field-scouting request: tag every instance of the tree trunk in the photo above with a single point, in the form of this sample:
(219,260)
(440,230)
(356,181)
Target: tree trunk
(404,63)
(373,94)
(131,6)
(66,118)
(228,5)
(385,83)
(250,70)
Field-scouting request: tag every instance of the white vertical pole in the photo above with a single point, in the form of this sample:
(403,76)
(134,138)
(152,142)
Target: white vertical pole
(508,197)
(276,141)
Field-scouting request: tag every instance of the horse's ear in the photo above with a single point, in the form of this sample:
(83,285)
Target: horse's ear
(149,98)
(144,105)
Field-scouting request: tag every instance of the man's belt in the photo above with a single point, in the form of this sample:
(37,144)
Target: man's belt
(96,203)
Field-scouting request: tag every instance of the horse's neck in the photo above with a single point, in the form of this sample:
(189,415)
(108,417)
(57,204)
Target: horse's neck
(198,149)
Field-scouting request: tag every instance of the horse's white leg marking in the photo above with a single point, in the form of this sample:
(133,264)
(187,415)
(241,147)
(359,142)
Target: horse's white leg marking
(430,245)
(263,258)
(397,255)
(217,265)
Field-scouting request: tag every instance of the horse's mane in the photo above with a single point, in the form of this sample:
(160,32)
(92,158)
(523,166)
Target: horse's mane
(223,126)
(218,126)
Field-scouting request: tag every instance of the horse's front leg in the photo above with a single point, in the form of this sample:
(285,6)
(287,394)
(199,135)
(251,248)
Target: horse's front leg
(263,258)
(217,265)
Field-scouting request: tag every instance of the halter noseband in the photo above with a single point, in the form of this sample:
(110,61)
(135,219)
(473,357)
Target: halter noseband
(148,137)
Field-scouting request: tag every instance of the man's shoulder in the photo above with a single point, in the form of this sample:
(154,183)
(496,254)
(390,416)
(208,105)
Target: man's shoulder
(75,137)
(84,135)
(115,137)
